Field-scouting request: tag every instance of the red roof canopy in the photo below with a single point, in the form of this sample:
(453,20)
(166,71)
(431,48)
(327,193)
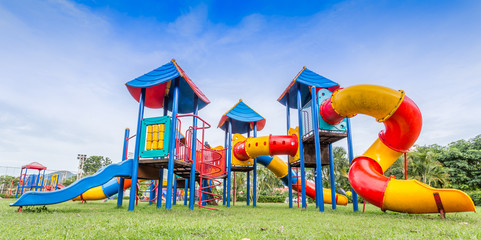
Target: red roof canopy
(34,165)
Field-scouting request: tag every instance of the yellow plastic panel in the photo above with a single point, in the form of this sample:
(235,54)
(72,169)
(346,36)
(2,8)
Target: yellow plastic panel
(382,154)
(297,157)
(236,162)
(156,133)
(413,196)
(258,146)
(376,101)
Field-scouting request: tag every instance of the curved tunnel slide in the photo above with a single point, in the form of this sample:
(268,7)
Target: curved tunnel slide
(94,182)
(402,120)
(264,147)
(105,191)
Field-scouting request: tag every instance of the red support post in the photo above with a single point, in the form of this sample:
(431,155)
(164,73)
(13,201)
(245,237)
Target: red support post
(439,204)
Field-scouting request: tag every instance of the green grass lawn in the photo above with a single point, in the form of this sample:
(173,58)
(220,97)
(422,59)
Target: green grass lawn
(99,220)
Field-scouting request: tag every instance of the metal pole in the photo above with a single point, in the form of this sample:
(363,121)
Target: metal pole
(24,180)
(174,194)
(289,173)
(160,188)
(355,206)
(333,177)
(248,175)
(43,179)
(229,162)
(166,105)
(224,185)
(135,163)
(173,133)
(254,177)
(317,144)
(120,195)
(186,189)
(193,152)
(301,146)
(19,181)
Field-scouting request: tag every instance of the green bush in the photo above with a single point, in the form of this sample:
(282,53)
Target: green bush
(241,199)
(264,199)
(271,199)
(476,196)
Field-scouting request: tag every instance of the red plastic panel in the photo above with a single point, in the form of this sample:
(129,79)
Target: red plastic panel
(240,151)
(279,145)
(403,127)
(366,178)
(328,114)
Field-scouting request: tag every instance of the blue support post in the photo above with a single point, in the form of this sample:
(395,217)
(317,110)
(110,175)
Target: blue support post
(160,188)
(174,194)
(254,177)
(166,105)
(248,193)
(355,206)
(186,190)
(152,192)
(289,173)
(18,186)
(120,194)
(317,144)
(229,162)
(135,163)
(316,189)
(37,180)
(25,179)
(43,180)
(40,183)
(173,133)
(204,196)
(194,155)
(301,146)
(332,178)
(248,188)
(224,181)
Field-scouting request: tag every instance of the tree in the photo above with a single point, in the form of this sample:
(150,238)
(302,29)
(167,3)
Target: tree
(69,181)
(341,168)
(267,181)
(6,182)
(463,160)
(93,163)
(426,167)
(422,165)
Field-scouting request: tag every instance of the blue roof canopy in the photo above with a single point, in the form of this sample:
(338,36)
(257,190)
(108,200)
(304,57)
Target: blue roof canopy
(158,84)
(243,117)
(306,78)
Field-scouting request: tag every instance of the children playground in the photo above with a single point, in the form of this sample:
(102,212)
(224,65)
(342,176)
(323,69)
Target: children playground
(184,184)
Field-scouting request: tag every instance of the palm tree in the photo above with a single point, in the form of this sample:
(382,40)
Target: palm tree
(426,168)
(267,181)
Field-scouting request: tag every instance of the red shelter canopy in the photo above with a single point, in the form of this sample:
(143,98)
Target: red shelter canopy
(34,165)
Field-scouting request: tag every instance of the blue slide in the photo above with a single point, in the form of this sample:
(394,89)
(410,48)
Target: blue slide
(122,169)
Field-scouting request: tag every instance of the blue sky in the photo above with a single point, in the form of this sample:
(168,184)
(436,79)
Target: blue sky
(64,65)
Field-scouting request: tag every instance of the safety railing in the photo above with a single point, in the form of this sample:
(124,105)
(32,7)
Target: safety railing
(209,163)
